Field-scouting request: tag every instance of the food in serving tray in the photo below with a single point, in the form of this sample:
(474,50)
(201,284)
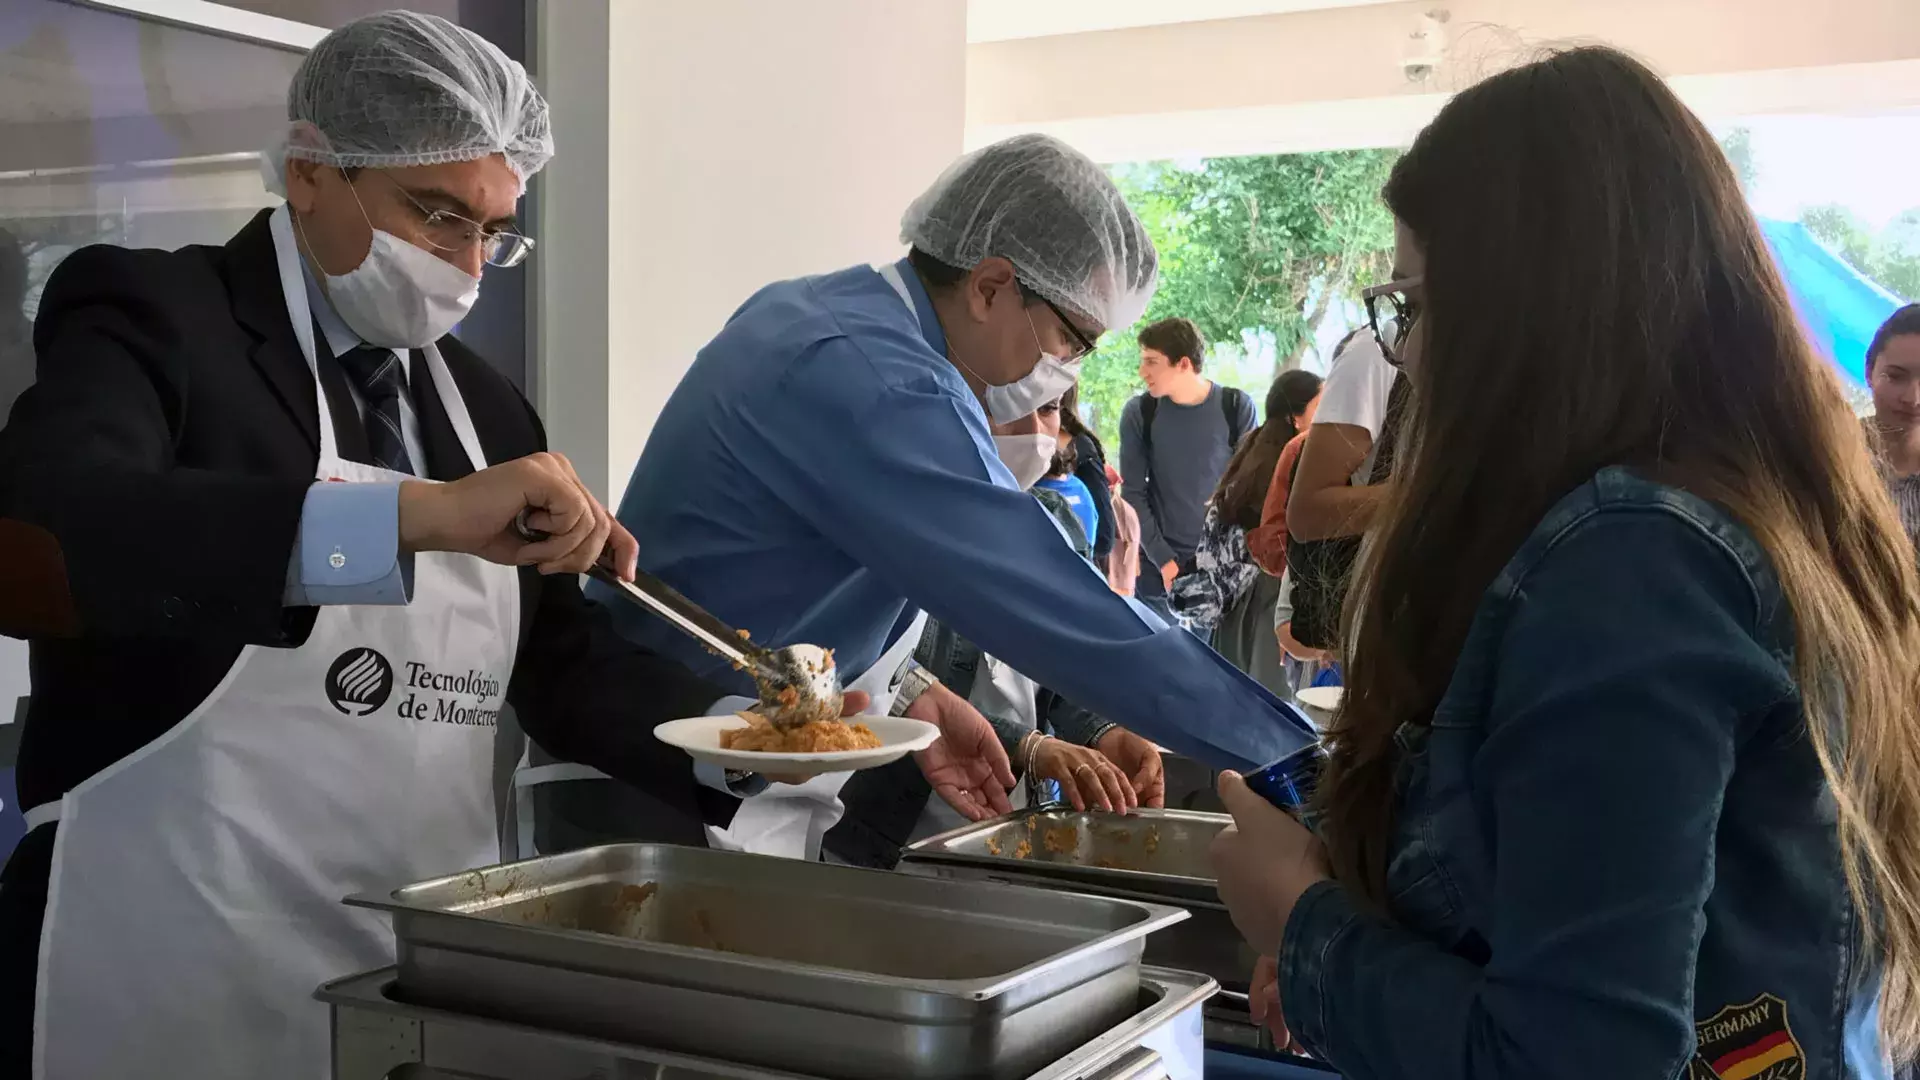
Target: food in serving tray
(813,737)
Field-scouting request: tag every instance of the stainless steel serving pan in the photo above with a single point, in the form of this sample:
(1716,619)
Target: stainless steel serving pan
(1151,856)
(1163,852)
(378,1037)
(774,961)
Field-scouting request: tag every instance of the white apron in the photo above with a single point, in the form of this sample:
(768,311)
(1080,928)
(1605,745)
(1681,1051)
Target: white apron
(194,903)
(791,820)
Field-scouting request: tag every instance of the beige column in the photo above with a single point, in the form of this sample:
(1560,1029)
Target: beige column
(717,147)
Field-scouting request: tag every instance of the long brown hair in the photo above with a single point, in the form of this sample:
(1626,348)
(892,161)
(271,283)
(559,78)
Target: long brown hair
(1242,493)
(1597,292)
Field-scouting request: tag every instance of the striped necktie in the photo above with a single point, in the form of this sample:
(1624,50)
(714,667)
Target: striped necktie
(381,380)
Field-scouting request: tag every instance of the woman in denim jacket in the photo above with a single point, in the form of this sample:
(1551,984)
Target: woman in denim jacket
(1627,779)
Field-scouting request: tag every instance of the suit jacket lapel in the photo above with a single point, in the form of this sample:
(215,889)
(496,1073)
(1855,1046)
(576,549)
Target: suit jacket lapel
(253,280)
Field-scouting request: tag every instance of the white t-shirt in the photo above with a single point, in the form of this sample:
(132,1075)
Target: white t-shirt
(1356,394)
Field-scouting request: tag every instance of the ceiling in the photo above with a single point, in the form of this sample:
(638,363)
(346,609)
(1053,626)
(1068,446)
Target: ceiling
(1011,20)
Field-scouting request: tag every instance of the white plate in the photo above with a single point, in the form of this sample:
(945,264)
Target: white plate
(700,738)
(1320,702)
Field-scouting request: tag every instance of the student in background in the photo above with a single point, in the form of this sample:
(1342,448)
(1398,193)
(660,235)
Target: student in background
(1063,476)
(1893,374)
(1090,465)
(1175,442)
(1123,562)
(1237,596)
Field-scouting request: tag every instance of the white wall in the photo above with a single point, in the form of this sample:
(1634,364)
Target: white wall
(746,142)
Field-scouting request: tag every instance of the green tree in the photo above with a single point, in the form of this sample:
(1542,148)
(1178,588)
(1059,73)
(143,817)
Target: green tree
(1889,256)
(1255,249)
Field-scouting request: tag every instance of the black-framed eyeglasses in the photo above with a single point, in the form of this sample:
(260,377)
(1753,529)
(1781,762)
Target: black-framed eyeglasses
(1081,342)
(448,231)
(1391,311)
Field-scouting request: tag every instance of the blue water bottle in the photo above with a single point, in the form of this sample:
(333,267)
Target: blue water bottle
(1289,782)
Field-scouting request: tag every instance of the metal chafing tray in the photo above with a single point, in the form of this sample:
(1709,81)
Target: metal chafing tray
(774,962)
(1171,869)
(1163,852)
(378,1037)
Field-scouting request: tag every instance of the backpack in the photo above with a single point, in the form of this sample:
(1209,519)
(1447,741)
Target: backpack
(1230,399)
(1322,569)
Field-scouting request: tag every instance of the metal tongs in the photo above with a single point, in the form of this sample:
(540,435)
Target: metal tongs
(797,684)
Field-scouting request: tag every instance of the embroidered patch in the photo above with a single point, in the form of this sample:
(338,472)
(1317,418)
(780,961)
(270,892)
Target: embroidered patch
(1748,1042)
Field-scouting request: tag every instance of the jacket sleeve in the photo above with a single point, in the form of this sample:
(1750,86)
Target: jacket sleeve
(1606,753)
(102,532)
(1134,468)
(1092,472)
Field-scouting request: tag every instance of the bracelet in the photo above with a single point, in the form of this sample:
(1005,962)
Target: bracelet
(1100,733)
(1027,772)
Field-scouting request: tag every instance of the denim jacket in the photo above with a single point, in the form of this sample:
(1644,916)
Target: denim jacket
(1615,855)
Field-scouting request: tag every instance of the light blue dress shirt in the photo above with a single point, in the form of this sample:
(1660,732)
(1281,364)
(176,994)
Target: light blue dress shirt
(348,547)
(822,472)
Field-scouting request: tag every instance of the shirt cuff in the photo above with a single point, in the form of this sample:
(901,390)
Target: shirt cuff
(347,549)
(739,785)
(1321,918)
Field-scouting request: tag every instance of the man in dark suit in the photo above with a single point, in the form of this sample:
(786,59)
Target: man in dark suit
(256,689)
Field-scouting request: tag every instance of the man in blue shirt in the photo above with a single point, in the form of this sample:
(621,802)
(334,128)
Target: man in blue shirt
(825,470)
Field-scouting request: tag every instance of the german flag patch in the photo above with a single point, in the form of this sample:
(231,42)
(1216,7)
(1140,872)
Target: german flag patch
(1748,1042)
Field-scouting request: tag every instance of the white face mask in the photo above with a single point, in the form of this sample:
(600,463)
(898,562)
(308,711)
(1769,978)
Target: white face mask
(1028,457)
(400,296)
(1049,379)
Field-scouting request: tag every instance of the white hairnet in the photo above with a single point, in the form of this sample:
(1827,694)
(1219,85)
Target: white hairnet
(1047,208)
(401,88)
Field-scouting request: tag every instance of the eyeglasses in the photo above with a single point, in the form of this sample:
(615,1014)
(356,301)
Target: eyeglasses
(448,231)
(1082,343)
(1391,313)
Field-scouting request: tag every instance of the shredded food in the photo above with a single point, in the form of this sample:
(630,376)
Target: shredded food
(814,737)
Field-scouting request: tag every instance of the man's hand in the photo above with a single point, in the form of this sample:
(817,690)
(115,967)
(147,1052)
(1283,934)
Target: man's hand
(1168,572)
(475,516)
(968,768)
(1139,761)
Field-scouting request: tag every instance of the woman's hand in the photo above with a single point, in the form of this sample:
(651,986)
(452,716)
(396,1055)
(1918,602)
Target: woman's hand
(1139,761)
(1087,778)
(1263,1002)
(1263,862)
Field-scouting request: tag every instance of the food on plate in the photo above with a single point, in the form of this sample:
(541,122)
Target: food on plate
(993,845)
(813,737)
(1152,842)
(1024,850)
(1061,840)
